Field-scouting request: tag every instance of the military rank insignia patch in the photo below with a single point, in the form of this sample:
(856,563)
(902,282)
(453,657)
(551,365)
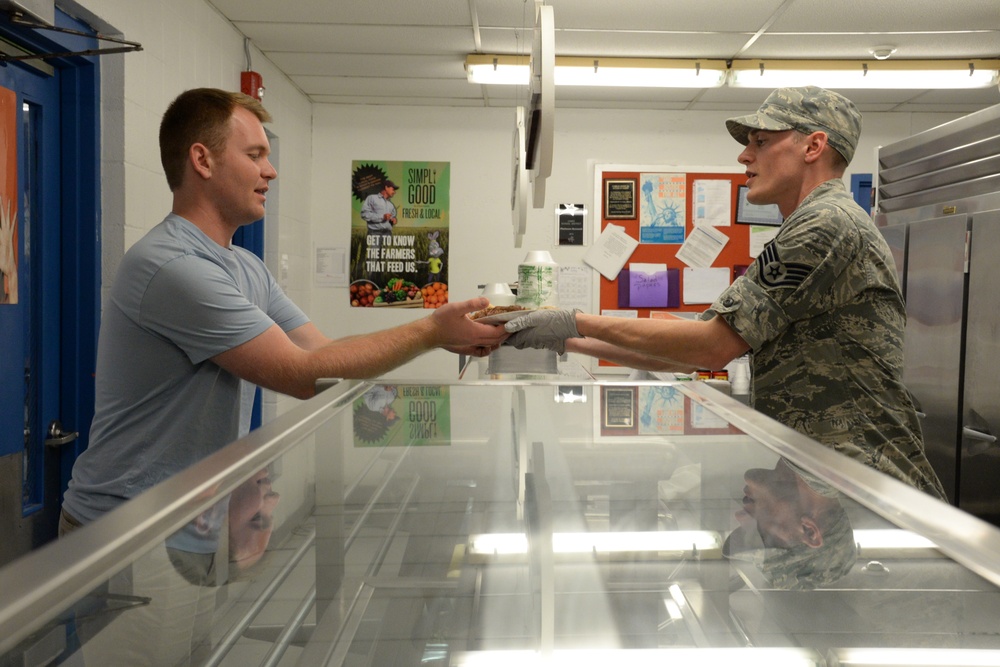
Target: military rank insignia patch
(776,273)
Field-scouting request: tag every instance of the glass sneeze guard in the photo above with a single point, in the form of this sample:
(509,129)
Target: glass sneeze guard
(515,522)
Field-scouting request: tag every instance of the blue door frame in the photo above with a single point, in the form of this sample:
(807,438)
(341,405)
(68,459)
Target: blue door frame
(251,237)
(71,228)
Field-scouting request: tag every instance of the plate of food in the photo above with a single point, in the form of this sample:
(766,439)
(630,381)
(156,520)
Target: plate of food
(499,314)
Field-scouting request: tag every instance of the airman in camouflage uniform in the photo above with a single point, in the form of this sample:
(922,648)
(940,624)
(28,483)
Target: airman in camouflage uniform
(820,311)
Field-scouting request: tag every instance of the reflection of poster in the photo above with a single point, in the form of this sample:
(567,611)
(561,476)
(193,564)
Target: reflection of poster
(663,209)
(661,411)
(400,216)
(402,416)
(8,195)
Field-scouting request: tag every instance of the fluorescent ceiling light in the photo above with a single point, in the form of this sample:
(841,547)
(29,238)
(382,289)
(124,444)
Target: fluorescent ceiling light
(628,72)
(500,70)
(707,73)
(861,74)
(640,72)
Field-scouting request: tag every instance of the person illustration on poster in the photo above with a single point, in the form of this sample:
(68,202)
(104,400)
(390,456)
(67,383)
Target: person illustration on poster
(379,211)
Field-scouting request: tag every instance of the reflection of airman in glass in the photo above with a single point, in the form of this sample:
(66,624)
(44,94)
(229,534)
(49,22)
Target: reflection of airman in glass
(793,527)
(251,515)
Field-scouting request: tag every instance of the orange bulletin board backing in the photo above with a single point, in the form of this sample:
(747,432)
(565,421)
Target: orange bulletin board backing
(736,252)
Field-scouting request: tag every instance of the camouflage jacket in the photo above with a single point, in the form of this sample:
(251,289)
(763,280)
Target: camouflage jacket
(822,312)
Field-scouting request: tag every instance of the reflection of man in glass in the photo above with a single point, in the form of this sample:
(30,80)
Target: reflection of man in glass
(251,512)
(793,528)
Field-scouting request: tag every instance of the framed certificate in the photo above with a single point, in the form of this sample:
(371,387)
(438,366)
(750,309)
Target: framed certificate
(755,214)
(619,199)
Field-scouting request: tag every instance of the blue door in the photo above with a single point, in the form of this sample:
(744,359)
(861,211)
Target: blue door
(251,237)
(49,186)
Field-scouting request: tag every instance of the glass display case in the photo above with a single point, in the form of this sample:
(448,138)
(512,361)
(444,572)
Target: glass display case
(559,521)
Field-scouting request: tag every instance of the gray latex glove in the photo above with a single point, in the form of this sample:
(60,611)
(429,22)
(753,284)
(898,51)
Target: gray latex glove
(547,328)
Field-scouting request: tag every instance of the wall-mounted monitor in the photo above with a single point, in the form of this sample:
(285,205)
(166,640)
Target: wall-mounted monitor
(755,214)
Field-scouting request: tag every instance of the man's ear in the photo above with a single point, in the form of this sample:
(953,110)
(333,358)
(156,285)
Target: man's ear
(811,534)
(201,160)
(815,143)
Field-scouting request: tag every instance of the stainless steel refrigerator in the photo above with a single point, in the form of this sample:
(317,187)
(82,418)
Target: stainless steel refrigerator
(938,205)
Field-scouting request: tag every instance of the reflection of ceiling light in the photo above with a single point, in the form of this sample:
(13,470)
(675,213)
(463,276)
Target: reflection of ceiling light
(871,543)
(878,73)
(509,544)
(891,542)
(871,74)
(627,72)
(908,657)
(652,657)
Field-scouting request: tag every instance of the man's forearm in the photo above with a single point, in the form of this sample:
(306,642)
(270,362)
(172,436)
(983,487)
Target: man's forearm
(680,344)
(374,354)
(623,357)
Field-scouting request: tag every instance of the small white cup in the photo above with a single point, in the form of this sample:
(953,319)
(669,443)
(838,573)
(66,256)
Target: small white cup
(538,257)
(499,294)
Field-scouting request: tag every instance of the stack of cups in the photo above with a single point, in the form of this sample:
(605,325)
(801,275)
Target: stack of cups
(536,280)
(499,294)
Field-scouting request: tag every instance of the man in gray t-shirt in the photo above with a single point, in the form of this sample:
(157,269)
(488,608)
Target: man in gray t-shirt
(193,324)
(161,403)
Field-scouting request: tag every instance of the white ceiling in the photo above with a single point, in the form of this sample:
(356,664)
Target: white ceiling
(412,52)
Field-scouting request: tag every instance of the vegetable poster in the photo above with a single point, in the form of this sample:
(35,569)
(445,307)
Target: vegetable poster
(403,416)
(400,214)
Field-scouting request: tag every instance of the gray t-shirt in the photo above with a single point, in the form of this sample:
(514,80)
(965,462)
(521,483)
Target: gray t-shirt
(161,404)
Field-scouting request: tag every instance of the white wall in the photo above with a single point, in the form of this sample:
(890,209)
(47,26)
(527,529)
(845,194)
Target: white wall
(477,142)
(188,44)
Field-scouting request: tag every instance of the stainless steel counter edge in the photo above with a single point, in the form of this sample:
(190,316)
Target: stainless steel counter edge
(51,579)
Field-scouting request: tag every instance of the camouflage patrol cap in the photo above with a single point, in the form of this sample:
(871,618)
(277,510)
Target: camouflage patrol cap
(807,109)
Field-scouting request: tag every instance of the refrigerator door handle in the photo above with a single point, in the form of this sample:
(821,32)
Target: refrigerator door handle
(983,441)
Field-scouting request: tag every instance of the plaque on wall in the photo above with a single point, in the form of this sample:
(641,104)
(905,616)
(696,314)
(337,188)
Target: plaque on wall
(619,199)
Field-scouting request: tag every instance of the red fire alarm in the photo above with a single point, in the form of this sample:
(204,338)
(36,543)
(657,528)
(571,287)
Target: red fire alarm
(252,84)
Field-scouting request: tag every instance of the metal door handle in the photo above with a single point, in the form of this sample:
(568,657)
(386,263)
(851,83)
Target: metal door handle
(58,437)
(973,434)
(983,441)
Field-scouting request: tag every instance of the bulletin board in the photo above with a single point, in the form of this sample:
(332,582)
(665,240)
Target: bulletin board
(612,206)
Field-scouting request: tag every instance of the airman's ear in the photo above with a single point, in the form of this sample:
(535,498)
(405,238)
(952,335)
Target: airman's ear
(811,534)
(815,143)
